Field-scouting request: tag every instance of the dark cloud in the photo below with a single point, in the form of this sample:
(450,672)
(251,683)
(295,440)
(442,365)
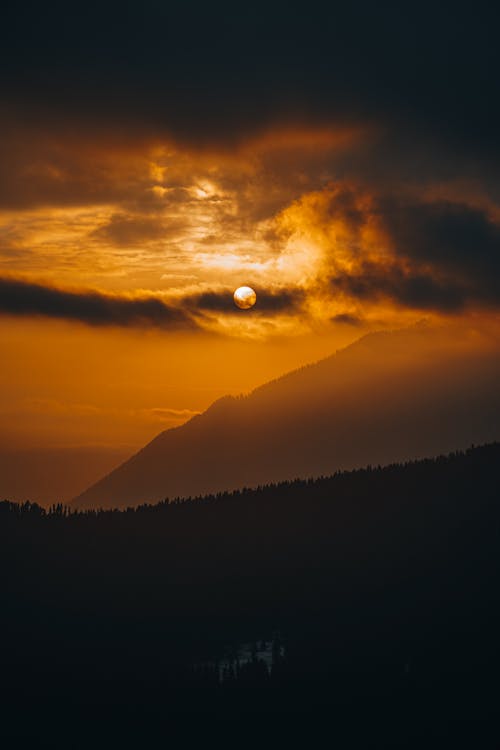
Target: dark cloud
(409,288)
(343,202)
(283,301)
(23,298)
(215,72)
(453,237)
(447,255)
(124,230)
(423,78)
(46,168)
(347,319)
(444,256)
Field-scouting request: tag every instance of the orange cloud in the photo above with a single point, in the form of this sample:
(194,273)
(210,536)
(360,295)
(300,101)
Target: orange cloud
(147,219)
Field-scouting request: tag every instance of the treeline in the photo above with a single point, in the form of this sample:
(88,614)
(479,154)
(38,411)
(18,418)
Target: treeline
(383,582)
(325,486)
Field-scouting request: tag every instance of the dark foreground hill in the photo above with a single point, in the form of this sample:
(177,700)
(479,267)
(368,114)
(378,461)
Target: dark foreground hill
(388,397)
(383,585)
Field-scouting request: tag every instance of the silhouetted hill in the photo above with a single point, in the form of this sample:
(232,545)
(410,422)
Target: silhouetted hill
(383,585)
(388,397)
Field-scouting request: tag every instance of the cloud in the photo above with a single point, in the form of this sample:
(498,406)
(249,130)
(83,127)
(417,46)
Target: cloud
(44,166)
(457,240)
(192,69)
(371,283)
(400,246)
(347,319)
(188,312)
(23,298)
(166,414)
(124,230)
(445,256)
(286,301)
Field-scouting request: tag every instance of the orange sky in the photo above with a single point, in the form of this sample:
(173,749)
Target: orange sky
(147,218)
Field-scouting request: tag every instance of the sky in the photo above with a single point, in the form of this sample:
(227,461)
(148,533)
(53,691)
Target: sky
(342,161)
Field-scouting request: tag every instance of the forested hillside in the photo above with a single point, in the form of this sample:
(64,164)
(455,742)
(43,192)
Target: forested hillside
(382,584)
(390,396)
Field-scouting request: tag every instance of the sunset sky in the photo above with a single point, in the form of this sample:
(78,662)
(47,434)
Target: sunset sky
(153,157)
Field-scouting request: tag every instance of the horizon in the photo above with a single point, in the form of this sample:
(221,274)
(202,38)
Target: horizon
(354,188)
(30,474)
(56,508)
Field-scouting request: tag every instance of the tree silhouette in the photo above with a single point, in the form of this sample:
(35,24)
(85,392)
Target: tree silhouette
(359,575)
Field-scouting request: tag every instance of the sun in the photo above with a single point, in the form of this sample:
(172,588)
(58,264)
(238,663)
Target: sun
(245,297)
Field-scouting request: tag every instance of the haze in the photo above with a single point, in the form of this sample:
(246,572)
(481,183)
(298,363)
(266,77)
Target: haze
(354,189)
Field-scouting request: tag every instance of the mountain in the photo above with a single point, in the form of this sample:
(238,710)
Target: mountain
(381,583)
(390,396)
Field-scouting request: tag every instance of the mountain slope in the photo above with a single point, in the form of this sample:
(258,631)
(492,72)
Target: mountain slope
(387,397)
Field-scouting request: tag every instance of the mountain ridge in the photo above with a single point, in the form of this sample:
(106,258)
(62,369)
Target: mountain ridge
(388,396)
